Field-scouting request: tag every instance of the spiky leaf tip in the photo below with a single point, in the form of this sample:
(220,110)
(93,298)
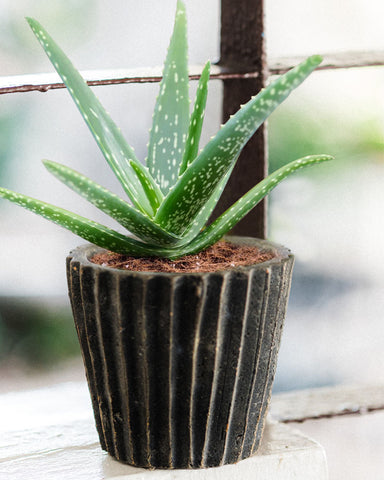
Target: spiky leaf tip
(196,121)
(171,116)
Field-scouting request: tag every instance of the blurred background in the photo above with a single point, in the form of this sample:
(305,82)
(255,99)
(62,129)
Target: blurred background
(331,217)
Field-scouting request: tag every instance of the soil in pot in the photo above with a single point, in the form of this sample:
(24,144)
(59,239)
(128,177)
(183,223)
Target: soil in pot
(221,256)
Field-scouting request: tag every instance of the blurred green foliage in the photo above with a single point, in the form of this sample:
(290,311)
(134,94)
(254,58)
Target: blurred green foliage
(38,333)
(15,37)
(10,125)
(292,135)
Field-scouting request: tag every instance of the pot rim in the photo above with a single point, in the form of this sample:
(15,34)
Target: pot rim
(83,253)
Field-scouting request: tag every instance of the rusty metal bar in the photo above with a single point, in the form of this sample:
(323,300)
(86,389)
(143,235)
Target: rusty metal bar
(44,82)
(328,402)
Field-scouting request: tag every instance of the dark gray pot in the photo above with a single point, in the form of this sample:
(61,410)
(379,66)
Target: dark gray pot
(180,366)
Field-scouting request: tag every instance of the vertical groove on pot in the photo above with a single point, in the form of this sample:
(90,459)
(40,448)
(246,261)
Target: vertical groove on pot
(203,365)
(186,305)
(145,377)
(265,369)
(249,352)
(106,315)
(73,276)
(125,425)
(280,281)
(157,313)
(134,344)
(233,299)
(267,364)
(258,374)
(89,285)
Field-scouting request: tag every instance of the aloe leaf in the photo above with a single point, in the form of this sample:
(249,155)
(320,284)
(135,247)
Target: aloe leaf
(108,136)
(112,240)
(130,218)
(206,211)
(199,181)
(143,176)
(91,231)
(196,121)
(171,115)
(245,204)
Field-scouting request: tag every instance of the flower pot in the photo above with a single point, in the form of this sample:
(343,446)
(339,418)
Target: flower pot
(180,366)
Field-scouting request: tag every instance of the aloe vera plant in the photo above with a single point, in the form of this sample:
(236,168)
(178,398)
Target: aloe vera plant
(174,194)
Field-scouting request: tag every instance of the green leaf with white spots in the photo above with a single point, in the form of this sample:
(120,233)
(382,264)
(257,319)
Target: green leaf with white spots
(91,231)
(171,117)
(246,203)
(196,121)
(108,136)
(205,213)
(112,240)
(130,218)
(199,181)
(192,182)
(156,197)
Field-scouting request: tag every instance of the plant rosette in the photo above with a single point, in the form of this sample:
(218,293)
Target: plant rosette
(179,366)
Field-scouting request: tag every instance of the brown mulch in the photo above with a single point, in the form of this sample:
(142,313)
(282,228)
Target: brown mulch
(221,256)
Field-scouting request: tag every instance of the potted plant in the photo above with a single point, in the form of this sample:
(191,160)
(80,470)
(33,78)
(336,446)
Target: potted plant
(179,363)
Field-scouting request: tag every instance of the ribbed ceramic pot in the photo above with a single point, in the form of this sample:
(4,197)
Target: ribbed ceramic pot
(180,366)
